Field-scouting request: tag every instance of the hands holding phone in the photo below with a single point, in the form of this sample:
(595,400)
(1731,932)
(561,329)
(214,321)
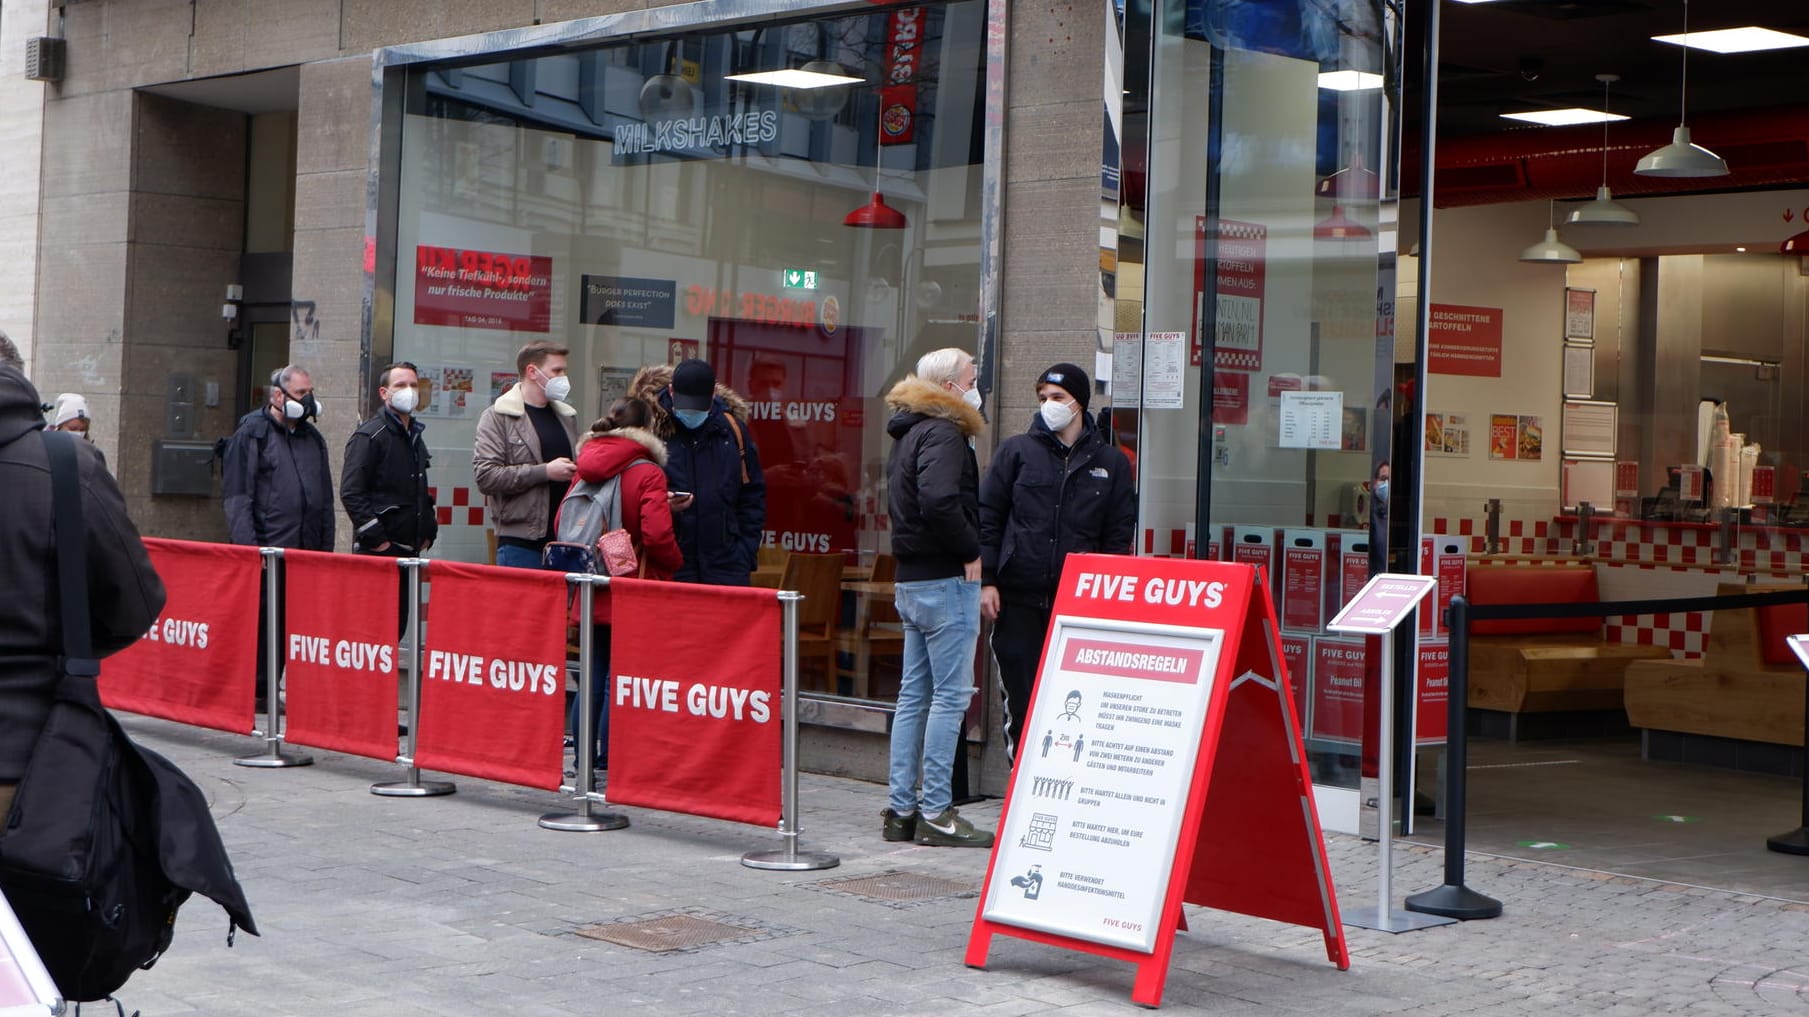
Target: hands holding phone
(678,501)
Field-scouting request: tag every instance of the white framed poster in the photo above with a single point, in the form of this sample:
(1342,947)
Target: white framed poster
(1102,778)
(1590,429)
(1579,372)
(1579,313)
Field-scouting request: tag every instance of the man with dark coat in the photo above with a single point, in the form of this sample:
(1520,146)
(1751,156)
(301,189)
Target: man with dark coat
(124,593)
(1059,488)
(712,471)
(278,488)
(932,481)
(383,483)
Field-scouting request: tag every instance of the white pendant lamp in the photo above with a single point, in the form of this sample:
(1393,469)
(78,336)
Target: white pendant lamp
(1551,250)
(1604,210)
(1682,157)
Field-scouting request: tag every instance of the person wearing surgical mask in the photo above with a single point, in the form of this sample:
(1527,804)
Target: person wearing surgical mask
(522,455)
(1059,488)
(278,483)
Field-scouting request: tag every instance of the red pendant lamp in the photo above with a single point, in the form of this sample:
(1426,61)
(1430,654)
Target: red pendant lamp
(876,214)
(1339,226)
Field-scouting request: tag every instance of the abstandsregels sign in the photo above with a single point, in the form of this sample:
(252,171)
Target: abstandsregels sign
(1102,779)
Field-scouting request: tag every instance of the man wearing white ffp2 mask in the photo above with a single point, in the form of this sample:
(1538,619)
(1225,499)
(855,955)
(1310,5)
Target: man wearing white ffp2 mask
(1059,488)
(522,455)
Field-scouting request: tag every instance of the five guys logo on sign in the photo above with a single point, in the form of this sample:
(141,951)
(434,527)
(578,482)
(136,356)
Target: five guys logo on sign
(1157,590)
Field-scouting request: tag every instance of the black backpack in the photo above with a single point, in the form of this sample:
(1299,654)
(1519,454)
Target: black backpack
(105,840)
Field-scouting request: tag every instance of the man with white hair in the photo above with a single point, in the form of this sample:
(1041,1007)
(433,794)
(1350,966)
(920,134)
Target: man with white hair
(933,490)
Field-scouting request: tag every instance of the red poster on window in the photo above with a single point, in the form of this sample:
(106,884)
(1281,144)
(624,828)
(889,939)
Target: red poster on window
(694,723)
(493,674)
(198,662)
(1464,340)
(1432,717)
(1297,653)
(1337,701)
(1452,567)
(1626,479)
(1230,398)
(1238,322)
(483,289)
(341,651)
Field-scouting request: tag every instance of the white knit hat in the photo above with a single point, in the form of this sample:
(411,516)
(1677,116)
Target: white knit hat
(69,406)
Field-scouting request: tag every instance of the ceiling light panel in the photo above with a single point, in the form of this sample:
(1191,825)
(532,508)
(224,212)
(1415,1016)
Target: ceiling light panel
(795,78)
(1751,39)
(1349,81)
(1564,117)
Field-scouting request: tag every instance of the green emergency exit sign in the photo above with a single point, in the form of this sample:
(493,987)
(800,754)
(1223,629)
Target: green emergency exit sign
(800,279)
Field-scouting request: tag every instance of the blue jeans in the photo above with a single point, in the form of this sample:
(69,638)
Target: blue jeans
(513,557)
(941,629)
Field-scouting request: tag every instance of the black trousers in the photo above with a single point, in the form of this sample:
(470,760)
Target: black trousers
(1017,644)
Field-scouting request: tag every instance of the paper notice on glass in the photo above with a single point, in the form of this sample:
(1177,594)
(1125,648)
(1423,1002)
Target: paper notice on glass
(1311,419)
(1127,370)
(1164,363)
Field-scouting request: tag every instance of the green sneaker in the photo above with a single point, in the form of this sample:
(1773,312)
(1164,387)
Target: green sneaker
(950,830)
(899,827)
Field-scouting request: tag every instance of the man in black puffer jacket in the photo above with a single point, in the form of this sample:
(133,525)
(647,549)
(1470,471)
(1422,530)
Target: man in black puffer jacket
(1058,489)
(124,593)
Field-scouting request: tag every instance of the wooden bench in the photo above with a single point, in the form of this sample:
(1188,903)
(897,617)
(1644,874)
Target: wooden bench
(1542,665)
(1747,686)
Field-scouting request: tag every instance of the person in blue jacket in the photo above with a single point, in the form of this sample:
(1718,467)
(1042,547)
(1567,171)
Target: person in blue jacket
(1059,488)
(713,477)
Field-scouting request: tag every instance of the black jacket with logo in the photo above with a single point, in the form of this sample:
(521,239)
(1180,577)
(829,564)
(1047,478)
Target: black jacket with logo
(384,485)
(1041,502)
(124,593)
(932,481)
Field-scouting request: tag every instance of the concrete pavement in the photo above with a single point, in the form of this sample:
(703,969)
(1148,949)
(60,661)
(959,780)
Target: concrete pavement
(461,905)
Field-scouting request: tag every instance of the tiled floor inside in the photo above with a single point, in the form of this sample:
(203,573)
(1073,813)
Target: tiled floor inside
(1594,804)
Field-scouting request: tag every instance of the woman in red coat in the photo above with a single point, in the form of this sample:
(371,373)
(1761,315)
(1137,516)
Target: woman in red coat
(619,444)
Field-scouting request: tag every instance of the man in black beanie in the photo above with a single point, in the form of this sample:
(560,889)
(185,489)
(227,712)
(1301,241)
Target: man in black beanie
(1058,488)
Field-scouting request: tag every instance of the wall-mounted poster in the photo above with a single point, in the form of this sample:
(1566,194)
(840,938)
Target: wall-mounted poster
(481,289)
(1579,372)
(1242,267)
(1590,429)
(1448,434)
(1579,314)
(1516,437)
(1356,429)
(1464,340)
(446,391)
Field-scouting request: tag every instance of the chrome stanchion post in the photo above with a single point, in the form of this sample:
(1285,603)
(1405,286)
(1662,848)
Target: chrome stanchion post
(272,757)
(583,821)
(789,858)
(413,786)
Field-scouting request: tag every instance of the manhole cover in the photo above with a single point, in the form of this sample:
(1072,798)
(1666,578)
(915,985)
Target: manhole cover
(899,886)
(672,932)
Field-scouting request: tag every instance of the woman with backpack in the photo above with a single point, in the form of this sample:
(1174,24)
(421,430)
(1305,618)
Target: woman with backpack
(620,444)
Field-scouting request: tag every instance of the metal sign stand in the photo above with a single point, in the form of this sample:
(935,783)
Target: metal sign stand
(413,786)
(1382,604)
(789,858)
(584,747)
(272,757)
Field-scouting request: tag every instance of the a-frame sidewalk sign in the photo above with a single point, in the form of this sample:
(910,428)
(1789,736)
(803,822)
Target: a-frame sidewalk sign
(1161,763)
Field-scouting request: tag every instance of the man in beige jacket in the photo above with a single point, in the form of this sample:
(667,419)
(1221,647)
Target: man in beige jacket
(522,457)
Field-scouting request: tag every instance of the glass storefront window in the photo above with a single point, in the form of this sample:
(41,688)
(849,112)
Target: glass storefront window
(657,199)
(1252,344)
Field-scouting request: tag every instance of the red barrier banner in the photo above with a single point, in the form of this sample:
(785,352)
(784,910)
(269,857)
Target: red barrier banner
(198,663)
(694,722)
(340,679)
(493,674)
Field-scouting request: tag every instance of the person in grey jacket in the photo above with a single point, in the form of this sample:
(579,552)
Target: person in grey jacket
(278,488)
(124,593)
(1059,488)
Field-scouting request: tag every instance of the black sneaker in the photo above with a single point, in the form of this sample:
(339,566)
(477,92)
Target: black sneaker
(950,830)
(898,827)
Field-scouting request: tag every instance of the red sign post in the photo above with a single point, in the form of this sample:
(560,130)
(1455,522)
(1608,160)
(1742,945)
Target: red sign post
(1153,667)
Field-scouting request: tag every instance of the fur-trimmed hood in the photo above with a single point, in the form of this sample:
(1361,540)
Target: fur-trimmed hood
(513,404)
(650,443)
(914,397)
(652,384)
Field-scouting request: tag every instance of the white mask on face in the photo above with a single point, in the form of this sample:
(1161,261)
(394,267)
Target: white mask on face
(558,388)
(1056,415)
(971,397)
(404,400)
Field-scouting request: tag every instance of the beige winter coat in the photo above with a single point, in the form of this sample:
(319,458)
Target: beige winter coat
(506,461)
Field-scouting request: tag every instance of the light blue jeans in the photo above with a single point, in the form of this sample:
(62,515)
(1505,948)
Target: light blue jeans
(941,632)
(512,557)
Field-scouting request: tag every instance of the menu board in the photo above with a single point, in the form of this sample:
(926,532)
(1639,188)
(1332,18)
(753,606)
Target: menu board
(1101,784)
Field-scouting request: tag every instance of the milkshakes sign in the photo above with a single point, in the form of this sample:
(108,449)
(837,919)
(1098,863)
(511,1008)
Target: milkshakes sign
(1109,750)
